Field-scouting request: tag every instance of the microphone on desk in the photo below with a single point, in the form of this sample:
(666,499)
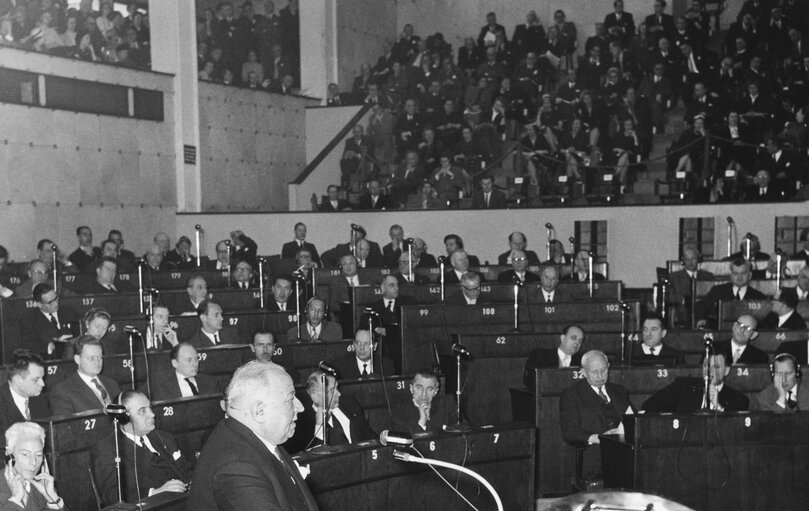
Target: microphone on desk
(131,330)
(327,368)
(400,438)
(460,349)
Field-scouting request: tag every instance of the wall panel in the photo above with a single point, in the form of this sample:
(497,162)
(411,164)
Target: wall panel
(362,27)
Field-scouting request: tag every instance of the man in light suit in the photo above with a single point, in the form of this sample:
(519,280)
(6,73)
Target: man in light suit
(316,329)
(242,466)
(21,396)
(212,331)
(86,389)
(566,355)
(158,466)
(184,380)
(786,394)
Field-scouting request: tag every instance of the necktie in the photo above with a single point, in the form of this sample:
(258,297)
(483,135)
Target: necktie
(336,432)
(565,362)
(548,298)
(27,411)
(737,355)
(282,307)
(390,306)
(791,402)
(190,383)
(216,339)
(487,200)
(54,321)
(653,351)
(105,397)
(602,395)
(736,296)
(243,285)
(364,369)
(144,442)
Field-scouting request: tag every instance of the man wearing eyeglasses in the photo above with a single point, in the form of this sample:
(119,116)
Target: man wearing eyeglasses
(470,291)
(738,350)
(519,270)
(46,324)
(37,273)
(243,275)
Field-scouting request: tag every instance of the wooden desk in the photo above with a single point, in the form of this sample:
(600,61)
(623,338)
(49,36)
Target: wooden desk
(739,461)
(368,477)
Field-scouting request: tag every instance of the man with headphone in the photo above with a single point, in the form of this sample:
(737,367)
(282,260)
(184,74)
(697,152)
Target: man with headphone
(786,394)
(151,461)
(316,329)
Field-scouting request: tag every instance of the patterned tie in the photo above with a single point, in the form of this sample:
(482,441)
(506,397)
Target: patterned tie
(105,397)
(190,383)
(603,396)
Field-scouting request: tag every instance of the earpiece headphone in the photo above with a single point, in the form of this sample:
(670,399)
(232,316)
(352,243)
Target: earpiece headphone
(124,418)
(781,357)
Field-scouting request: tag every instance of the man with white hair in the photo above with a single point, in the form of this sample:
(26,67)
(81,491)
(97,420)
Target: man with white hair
(242,465)
(23,485)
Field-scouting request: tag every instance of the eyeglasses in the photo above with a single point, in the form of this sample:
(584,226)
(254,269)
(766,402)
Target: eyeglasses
(49,302)
(743,327)
(519,259)
(472,289)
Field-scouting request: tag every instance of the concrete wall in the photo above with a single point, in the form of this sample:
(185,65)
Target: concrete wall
(362,27)
(640,238)
(251,145)
(61,169)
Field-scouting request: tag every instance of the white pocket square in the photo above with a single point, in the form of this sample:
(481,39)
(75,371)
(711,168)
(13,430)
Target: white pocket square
(176,455)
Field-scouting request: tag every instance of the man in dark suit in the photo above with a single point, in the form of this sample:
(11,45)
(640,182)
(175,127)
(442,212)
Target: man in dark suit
(394,249)
(470,291)
(406,275)
(787,394)
(519,270)
(488,197)
(41,327)
(180,257)
(783,315)
(565,355)
(660,24)
(620,25)
(164,337)
(421,259)
(517,241)
(357,147)
(549,290)
(159,463)
(581,269)
(427,410)
(803,253)
(184,380)
(736,289)
(242,465)
(591,407)
(86,389)
(652,351)
(487,35)
(263,349)
(681,282)
(212,331)
(333,202)
(784,169)
(85,257)
(340,284)
(21,396)
(282,294)
(290,249)
(388,310)
(460,265)
(365,257)
(762,189)
(373,199)
(197,288)
(364,361)
(685,395)
(105,283)
(738,349)
(316,328)
(345,418)
(357,233)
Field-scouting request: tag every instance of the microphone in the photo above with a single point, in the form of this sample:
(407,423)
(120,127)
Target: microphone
(54,247)
(748,236)
(131,330)
(228,242)
(115,410)
(516,281)
(151,290)
(326,368)
(408,241)
(198,227)
(400,438)
(625,306)
(371,311)
(708,339)
(442,259)
(730,220)
(355,227)
(549,226)
(572,240)
(460,349)
(299,271)
(139,261)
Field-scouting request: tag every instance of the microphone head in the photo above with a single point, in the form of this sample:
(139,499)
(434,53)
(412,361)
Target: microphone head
(410,240)
(54,247)
(708,338)
(572,240)
(442,259)
(131,329)
(549,226)
(730,219)
(371,311)
(625,306)
(198,227)
(328,369)
(401,438)
(460,349)
(115,410)
(228,243)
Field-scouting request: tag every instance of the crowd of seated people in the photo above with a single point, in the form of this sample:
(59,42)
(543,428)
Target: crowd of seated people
(106,35)
(236,45)
(578,111)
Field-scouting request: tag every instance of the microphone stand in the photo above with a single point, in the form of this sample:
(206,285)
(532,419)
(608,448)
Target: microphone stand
(778,269)
(517,285)
(410,261)
(590,274)
(118,454)
(228,245)
(664,284)
(53,265)
(371,331)
(324,448)
(441,276)
(140,288)
(549,230)
(298,306)
(747,248)
(706,377)
(730,238)
(458,427)
(623,330)
(261,282)
(197,229)
(131,358)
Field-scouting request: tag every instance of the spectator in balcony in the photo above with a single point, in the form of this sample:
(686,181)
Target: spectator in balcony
(277,66)
(253,82)
(658,92)
(488,197)
(69,35)
(373,198)
(142,30)
(624,151)
(429,149)
(528,37)
(252,66)
(333,95)
(286,86)
(426,198)
(97,39)
(470,56)
(450,179)
(228,35)
(357,148)
(406,179)
(333,203)
(405,48)
(290,28)
(361,83)
(448,123)
(206,72)
(44,37)
(104,21)
(398,85)
(7,31)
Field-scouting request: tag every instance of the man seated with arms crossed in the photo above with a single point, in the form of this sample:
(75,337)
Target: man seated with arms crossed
(164,337)
(549,290)
(263,348)
(736,289)
(242,466)
(783,315)
(158,465)
(519,270)
(363,361)
(786,394)
(345,418)
(428,410)
(211,329)
(86,389)
(738,349)
(21,396)
(684,395)
(184,380)
(591,407)
(652,351)
(42,327)
(316,328)
(27,484)
(566,355)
